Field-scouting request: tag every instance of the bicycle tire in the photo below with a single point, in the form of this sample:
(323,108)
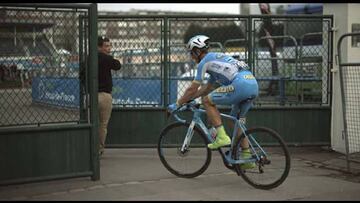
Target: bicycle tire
(281,153)
(166,133)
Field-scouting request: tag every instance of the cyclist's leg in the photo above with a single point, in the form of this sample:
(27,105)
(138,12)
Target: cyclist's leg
(243,109)
(239,111)
(222,95)
(246,90)
(212,112)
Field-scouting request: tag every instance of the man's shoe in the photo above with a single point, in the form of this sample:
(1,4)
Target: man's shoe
(246,155)
(101,152)
(220,142)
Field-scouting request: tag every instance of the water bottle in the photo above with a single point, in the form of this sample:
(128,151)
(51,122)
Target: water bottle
(213,132)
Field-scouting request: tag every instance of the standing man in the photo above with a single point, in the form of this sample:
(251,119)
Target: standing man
(106,64)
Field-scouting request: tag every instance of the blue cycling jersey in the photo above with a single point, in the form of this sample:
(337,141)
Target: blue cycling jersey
(221,68)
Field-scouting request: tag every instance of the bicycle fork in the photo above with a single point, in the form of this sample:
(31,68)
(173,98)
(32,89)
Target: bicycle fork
(188,137)
(190,132)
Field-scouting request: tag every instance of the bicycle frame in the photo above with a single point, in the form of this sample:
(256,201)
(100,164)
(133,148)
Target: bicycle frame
(196,120)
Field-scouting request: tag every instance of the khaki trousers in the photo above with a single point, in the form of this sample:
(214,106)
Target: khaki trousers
(105,108)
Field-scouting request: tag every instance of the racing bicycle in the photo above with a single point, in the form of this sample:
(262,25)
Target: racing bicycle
(182,148)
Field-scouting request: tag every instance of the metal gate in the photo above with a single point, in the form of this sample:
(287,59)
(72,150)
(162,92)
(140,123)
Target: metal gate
(157,67)
(48,100)
(291,59)
(350,91)
(48,86)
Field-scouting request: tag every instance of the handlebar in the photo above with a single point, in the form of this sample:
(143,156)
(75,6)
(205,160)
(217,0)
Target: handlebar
(190,105)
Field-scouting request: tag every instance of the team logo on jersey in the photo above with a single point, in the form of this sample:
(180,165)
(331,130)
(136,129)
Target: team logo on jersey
(225,89)
(249,77)
(215,66)
(219,55)
(242,64)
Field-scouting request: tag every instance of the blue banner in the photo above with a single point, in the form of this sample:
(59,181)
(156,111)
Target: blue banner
(140,91)
(64,92)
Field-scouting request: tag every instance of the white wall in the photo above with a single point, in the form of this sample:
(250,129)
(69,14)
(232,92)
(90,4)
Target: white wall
(353,17)
(344,16)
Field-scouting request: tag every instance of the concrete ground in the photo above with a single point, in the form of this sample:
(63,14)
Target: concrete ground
(137,174)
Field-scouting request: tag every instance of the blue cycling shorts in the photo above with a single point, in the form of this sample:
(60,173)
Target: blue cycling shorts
(240,94)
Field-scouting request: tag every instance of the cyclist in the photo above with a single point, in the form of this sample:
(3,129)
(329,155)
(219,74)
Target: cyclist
(230,83)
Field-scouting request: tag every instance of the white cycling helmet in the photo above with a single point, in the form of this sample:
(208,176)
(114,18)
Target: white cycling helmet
(199,41)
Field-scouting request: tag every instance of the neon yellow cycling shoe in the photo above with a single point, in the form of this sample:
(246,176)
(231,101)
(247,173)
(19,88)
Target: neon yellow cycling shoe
(220,141)
(245,154)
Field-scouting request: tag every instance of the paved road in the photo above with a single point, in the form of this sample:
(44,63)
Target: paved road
(137,174)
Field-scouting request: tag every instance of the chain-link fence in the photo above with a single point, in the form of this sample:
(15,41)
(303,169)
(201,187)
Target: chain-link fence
(39,65)
(138,44)
(350,91)
(41,50)
(289,55)
(48,60)
(292,59)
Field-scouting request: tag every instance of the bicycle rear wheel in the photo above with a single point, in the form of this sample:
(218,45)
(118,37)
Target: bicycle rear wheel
(272,158)
(189,163)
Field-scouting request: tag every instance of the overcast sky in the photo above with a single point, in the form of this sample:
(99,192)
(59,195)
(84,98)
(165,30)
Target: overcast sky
(227,8)
(221,8)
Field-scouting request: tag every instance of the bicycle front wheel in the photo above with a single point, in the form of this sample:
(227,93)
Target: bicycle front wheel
(272,158)
(188,163)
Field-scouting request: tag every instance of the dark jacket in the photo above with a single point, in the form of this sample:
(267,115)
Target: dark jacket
(106,63)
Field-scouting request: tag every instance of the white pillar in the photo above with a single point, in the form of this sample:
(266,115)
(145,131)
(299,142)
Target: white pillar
(344,16)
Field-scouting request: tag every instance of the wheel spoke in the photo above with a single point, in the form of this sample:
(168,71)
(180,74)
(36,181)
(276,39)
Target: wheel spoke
(273,159)
(190,162)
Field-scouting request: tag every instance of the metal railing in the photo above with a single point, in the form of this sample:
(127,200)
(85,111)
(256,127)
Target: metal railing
(154,71)
(51,50)
(350,91)
(167,66)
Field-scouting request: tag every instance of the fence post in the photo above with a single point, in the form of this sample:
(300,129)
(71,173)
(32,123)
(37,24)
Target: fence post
(93,91)
(167,79)
(250,32)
